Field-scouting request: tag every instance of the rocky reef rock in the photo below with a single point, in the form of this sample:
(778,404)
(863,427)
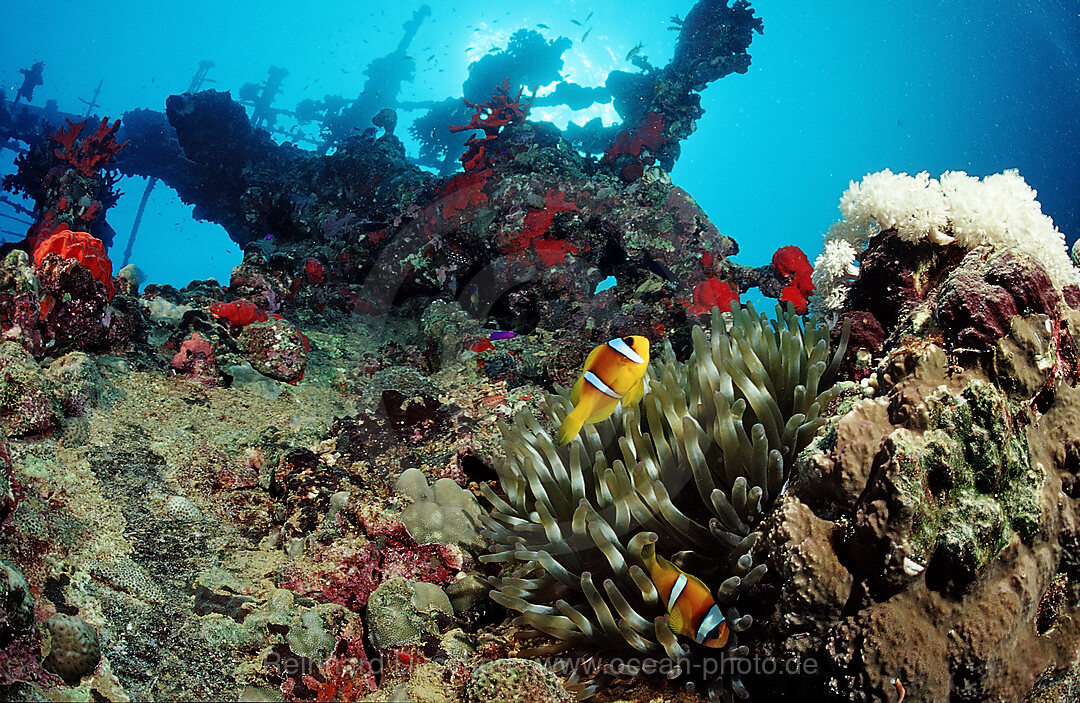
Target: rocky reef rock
(28,403)
(929,537)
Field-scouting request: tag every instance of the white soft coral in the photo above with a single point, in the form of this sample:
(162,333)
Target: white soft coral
(834,270)
(1000,211)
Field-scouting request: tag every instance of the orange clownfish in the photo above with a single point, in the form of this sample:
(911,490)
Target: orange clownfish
(691,610)
(614,371)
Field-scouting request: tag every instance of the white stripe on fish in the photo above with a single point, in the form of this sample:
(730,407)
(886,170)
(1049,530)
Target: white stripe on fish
(599,385)
(623,348)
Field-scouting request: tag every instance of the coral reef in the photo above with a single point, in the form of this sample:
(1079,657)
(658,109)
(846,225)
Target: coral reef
(515,681)
(443,512)
(334,478)
(28,401)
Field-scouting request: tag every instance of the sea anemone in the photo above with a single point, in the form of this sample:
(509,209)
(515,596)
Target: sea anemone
(693,468)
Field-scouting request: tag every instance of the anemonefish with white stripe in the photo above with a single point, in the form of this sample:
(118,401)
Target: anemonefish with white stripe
(691,609)
(614,372)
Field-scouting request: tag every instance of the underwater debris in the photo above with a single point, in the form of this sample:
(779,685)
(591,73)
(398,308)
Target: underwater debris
(693,468)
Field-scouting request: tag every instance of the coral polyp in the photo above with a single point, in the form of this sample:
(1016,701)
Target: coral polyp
(692,469)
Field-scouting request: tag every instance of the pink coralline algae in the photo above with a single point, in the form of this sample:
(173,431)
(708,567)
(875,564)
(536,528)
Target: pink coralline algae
(196,359)
(976,308)
(392,552)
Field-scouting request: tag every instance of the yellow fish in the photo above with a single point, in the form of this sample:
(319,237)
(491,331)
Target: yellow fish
(613,371)
(691,610)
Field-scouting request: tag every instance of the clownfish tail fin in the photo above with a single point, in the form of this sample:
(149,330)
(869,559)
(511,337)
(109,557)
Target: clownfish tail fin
(571,425)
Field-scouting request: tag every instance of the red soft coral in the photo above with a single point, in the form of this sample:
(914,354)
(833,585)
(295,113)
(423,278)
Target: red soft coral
(648,134)
(490,117)
(793,266)
(239,312)
(710,293)
(84,248)
(93,151)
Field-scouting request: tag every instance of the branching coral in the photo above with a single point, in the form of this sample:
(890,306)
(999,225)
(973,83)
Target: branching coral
(692,469)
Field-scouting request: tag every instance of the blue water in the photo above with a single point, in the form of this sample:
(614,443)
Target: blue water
(832,94)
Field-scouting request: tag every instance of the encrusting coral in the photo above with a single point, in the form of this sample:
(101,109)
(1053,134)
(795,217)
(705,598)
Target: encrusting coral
(692,469)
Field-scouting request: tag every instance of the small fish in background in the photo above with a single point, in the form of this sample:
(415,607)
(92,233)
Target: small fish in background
(691,609)
(500,334)
(586,34)
(575,22)
(634,52)
(614,372)
(541,25)
(588,16)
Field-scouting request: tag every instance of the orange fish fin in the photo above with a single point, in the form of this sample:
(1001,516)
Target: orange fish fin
(575,393)
(601,408)
(676,621)
(634,394)
(571,425)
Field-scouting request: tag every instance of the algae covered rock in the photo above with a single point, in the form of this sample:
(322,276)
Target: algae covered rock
(402,612)
(276,349)
(79,383)
(515,681)
(443,512)
(27,401)
(446,329)
(953,494)
(16,603)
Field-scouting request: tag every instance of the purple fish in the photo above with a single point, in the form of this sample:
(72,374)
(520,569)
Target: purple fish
(502,335)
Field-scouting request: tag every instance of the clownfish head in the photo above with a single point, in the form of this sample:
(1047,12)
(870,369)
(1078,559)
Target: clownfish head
(634,348)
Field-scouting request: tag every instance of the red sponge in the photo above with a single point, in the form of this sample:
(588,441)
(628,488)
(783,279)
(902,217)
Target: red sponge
(84,248)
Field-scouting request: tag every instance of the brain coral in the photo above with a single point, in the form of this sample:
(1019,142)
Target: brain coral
(693,469)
